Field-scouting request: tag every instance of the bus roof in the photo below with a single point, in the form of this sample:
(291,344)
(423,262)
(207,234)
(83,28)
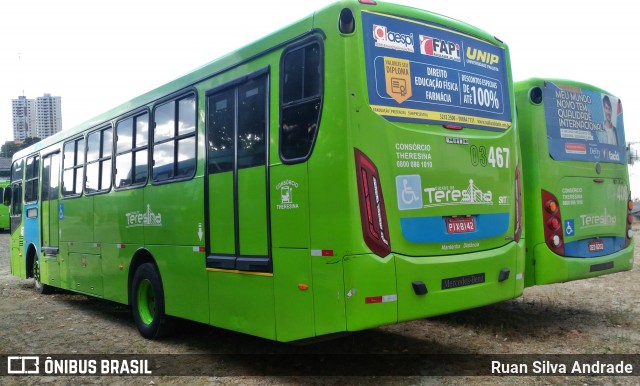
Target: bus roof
(527,82)
(247,53)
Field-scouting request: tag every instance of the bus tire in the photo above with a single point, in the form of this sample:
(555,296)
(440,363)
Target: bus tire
(40,287)
(147,303)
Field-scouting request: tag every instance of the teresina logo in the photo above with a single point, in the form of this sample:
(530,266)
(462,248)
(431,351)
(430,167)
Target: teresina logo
(138,219)
(594,220)
(439,196)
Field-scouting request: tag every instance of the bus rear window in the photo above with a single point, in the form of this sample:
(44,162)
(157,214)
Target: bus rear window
(423,73)
(301,87)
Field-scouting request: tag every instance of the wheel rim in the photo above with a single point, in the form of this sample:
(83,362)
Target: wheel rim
(146,302)
(36,272)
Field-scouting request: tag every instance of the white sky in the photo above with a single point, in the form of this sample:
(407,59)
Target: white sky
(97,54)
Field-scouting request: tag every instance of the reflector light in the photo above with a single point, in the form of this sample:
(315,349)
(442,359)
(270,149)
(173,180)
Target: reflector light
(370,2)
(517,228)
(553,220)
(322,252)
(629,222)
(381,299)
(373,299)
(372,211)
(551,206)
(452,127)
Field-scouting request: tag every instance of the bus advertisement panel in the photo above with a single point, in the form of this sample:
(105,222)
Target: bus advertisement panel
(576,183)
(428,73)
(583,124)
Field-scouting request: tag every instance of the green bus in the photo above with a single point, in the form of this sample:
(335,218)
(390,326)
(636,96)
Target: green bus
(354,169)
(4,214)
(576,183)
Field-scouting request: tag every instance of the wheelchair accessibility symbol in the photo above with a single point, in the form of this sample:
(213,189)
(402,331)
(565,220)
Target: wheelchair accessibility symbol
(409,192)
(569,228)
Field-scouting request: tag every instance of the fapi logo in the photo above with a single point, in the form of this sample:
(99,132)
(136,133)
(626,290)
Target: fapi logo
(440,48)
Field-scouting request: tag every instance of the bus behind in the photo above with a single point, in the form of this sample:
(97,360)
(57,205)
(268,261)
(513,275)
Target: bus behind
(576,183)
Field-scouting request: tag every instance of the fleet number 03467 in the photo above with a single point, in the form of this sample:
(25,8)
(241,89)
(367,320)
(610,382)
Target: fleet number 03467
(497,157)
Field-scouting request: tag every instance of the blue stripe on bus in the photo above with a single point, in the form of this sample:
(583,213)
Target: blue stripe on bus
(580,248)
(433,229)
(31,228)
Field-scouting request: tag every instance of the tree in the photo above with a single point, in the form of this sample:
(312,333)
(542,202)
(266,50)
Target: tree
(10,147)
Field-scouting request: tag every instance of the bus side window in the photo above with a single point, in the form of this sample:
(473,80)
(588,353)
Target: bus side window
(15,210)
(16,200)
(301,100)
(31,179)
(99,147)
(73,166)
(174,139)
(132,139)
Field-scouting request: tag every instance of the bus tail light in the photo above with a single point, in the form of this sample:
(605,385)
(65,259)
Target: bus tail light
(372,210)
(629,223)
(517,229)
(552,222)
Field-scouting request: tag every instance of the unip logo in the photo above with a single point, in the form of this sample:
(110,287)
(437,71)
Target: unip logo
(482,56)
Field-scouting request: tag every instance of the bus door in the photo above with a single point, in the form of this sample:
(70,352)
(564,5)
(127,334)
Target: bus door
(237,177)
(49,216)
(238,230)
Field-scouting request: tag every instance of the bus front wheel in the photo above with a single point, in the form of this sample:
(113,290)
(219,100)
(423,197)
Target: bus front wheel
(148,303)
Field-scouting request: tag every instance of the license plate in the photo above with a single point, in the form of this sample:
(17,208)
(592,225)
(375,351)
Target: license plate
(596,246)
(460,224)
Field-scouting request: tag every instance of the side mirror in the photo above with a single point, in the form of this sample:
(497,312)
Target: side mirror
(6,197)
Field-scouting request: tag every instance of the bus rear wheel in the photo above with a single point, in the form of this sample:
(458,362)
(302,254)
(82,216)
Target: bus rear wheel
(147,303)
(40,287)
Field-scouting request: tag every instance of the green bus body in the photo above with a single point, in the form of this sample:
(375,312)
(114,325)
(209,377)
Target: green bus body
(4,214)
(353,207)
(576,183)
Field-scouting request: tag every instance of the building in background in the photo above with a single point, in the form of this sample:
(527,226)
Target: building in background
(39,118)
(48,115)
(24,118)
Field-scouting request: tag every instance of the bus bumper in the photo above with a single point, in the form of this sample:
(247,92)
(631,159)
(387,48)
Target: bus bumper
(552,268)
(384,291)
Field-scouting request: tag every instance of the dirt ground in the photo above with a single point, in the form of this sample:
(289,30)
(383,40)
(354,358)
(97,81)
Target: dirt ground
(598,316)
